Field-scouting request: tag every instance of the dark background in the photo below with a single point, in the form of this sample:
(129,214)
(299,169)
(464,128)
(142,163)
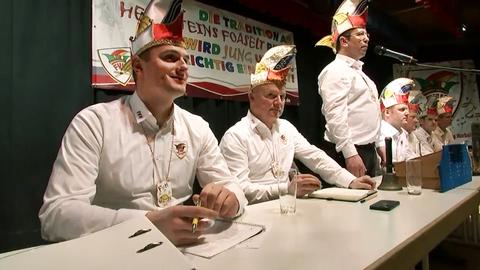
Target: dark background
(45,75)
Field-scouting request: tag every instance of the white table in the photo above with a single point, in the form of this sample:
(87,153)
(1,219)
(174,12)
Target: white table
(344,235)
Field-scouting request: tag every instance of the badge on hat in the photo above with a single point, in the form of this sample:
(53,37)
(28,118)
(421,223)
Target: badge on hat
(396,92)
(274,66)
(350,14)
(160,24)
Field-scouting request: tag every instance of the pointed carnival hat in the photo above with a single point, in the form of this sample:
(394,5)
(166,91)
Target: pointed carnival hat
(396,92)
(274,66)
(428,107)
(415,101)
(445,104)
(350,14)
(160,24)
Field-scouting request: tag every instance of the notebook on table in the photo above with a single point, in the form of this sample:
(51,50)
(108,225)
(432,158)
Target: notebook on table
(342,194)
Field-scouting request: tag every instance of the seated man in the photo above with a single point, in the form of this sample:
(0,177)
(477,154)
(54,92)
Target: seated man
(444,110)
(393,103)
(260,148)
(428,123)
(415,97)
(139,155)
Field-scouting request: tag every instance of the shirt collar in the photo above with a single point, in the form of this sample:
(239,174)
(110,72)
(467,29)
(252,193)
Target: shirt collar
(143,115)
(355,64)
(259,126)
(389,130)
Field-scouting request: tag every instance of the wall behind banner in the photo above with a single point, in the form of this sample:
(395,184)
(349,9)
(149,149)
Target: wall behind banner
(45,75)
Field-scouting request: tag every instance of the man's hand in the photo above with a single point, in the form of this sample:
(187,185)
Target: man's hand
(364,182)
(219,199)
(306,183)
(383,155)
(355,165)
(175,222)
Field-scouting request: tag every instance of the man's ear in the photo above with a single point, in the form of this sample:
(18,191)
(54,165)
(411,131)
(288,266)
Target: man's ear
(137,64)
(343,41)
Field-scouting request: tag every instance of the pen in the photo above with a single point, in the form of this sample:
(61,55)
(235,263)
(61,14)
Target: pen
(139,232)
(149,246)
(195,219)
(368,198)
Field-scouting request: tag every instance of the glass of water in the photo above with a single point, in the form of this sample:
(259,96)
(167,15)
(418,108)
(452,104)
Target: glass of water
(287,193)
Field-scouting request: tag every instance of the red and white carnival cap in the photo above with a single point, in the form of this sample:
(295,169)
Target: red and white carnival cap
(160,24)
(396,92)
(274,66)
(350,14)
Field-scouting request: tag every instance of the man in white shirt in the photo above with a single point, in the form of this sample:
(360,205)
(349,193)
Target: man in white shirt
(393,102)
(350,98)
(428,123)
(444,121)
(260,148)
(139,155)
(415,98)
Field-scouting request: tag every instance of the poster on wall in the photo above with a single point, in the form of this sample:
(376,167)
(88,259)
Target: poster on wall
(223,48)
(462,86)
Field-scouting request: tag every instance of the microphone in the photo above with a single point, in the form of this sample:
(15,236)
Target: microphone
(380,50)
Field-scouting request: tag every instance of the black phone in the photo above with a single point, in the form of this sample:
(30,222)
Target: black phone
(384,205)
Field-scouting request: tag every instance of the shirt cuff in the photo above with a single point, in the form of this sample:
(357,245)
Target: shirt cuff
(349,150)
(345,178)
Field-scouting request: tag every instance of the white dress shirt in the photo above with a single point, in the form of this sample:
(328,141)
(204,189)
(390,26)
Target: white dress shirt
(400,147)
(414,144)
(445,137)
(250,147)
(428,143)
(103,172)
(350,105)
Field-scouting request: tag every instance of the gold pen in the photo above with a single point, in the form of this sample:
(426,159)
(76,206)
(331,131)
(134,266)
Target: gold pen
(195,219)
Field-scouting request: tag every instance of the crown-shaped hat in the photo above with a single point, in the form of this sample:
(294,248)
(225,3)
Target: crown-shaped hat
(415,101)
(274,65)
(445,104)
(428,106)
(396,92)
(350,14)
(160,24)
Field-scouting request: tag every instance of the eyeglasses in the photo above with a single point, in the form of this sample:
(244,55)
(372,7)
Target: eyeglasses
(360,34)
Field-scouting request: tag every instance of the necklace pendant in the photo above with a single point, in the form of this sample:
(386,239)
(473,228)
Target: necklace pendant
(164,193)
(276,171)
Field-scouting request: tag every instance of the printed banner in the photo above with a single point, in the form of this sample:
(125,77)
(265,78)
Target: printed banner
(223,48)
(462,86)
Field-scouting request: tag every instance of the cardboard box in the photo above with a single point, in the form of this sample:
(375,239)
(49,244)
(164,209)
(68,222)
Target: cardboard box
(430,174)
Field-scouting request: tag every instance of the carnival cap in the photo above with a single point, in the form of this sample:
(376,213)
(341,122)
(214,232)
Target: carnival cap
(274,66)
(350,14)
(160,24)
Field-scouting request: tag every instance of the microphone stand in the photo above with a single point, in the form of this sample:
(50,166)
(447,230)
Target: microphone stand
(441,67)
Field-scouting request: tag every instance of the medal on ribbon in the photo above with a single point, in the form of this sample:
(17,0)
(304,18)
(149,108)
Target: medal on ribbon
(164,193)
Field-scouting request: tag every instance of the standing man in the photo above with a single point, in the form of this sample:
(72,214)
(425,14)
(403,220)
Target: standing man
(139,155)
(394,106)
(350,99)
(260,148)
(444,121)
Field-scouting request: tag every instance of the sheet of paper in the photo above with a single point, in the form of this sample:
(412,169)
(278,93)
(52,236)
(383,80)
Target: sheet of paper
(223,236)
